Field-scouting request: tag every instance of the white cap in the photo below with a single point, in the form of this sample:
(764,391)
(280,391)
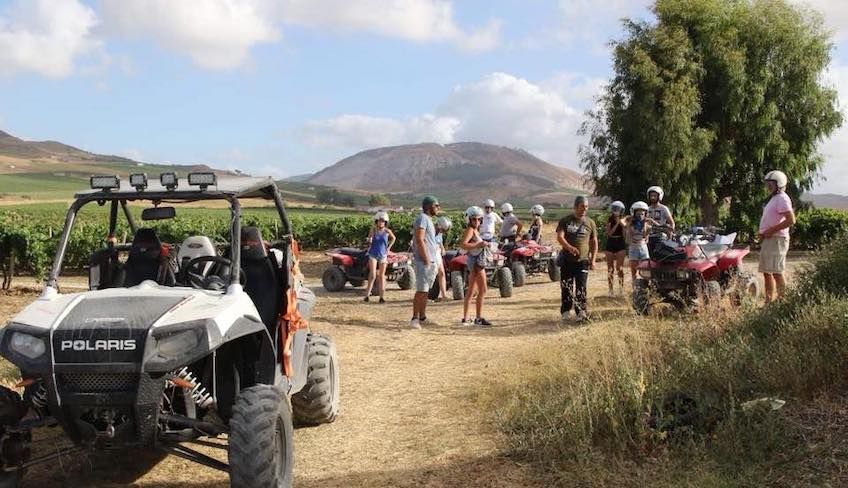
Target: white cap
(656,189)
(779,177)
(506,208)
(474,211)
(489,203)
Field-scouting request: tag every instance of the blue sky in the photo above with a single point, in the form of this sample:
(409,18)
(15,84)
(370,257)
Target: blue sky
(289,86)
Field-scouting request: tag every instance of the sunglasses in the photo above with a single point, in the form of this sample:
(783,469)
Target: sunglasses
(475,219)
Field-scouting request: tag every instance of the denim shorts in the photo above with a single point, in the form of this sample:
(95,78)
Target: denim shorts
(471,261)
(425,276)
(638,253)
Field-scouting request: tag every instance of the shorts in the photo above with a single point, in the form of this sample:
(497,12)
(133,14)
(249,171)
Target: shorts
(638,253)
(379,259)
(615,245)
(425,276)
(773,255)
(471,261)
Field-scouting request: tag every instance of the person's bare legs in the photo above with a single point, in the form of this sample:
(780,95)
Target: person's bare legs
(768,280)
(381,272)
(780,285)
(443,284)
(610,257)
(472,287)
(619,266)
(372,275)
(633,265)
(482,288)
(419,305)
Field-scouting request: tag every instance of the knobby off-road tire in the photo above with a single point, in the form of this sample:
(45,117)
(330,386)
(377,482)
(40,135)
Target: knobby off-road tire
(554,272)
(457,282)
(641,296)
(406,279)
(519,273)
(505,282)
(712,293)
(318,402)
(261,449)
(746,288)
(333,279)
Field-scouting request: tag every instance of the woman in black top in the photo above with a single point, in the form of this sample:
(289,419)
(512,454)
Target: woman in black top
(616,247)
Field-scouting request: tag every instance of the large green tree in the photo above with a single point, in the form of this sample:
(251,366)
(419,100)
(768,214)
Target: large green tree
(708,98)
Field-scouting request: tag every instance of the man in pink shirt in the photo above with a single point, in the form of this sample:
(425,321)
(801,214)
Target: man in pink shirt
(777,218)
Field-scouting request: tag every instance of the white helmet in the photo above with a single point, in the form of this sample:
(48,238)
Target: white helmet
(382,215)
(537,210)
(489,203)
(640,205)
(506,208)
(444,223)
(779,177)
(474,211)
(656,189)
(617,205)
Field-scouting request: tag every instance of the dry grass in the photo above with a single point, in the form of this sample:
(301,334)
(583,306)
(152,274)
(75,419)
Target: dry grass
(411,410)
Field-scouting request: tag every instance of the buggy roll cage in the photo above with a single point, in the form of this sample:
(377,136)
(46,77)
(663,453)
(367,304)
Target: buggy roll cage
(228,188)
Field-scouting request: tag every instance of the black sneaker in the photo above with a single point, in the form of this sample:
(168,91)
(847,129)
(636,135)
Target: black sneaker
(367,299)
(382,300)
(481,322)
(422,319)
(466,322)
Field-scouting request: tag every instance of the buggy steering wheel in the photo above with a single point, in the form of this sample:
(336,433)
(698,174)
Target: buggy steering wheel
(192,274)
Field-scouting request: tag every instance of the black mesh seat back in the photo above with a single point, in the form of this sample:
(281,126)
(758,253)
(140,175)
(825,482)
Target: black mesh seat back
(262,279)
(143,260)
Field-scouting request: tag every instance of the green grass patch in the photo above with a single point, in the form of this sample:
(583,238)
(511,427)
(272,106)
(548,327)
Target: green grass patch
(633,402)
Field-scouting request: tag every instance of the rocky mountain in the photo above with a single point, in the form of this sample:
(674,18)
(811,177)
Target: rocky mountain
(827,200)
(470,171)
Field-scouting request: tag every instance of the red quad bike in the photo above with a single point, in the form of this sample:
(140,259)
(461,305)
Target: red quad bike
(528,257)
(701,264)
(498,275)
(351,265)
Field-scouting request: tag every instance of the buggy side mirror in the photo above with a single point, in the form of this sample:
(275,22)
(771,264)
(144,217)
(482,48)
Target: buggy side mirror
(158,213)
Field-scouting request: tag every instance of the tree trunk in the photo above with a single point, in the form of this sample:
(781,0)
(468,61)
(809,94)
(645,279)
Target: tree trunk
(709,210)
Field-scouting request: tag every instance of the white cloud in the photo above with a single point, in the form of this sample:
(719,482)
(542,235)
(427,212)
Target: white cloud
(500,109)
(834,13)
(216,34)
(835,148)
(413,20)
(45,36)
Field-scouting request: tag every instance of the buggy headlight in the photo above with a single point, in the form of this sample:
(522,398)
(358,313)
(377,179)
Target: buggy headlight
(27,345)
(645,273)
(177,343)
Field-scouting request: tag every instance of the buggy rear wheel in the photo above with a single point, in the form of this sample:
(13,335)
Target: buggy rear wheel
(519,273)
(334,279)
(261,450)
(406,279)
(457,281)
(553,270)
(505,282)
(318,402)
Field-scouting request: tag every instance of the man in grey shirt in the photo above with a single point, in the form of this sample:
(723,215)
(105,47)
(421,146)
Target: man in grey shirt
(426,253)
(511,226)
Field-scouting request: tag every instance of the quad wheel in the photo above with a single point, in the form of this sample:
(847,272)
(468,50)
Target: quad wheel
(261,450)
(406,279)
(334,279)
(553,270)
(318,402)
(712,292)
(519,273)
(747,287)
(457,282)
(505,281)
(641,296)
(434,290)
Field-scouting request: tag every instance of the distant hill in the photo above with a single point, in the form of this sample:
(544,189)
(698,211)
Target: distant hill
(39,170)
(464,171)
(827,200)
(298,178)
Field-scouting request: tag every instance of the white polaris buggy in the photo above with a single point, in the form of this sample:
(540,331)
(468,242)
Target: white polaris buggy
(173,343)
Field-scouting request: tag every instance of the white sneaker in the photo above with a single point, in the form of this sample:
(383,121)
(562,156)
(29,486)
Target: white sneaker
(582,317)
(414,324)
(566,317)
(611,294)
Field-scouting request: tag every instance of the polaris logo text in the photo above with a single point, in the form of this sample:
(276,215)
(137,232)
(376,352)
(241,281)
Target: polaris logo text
(101,345)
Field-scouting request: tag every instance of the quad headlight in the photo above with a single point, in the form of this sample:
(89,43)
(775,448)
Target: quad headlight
(27,345)
(178,343)
(682,274)
(645,273)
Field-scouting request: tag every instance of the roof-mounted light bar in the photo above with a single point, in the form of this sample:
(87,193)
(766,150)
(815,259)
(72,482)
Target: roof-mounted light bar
(105,182)
(169,180)
(203,180)
(138,181)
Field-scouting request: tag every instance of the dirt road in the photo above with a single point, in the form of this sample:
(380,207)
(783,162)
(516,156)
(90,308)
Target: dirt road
(409,414)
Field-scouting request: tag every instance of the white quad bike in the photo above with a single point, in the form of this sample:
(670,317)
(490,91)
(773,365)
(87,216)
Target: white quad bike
(172,344)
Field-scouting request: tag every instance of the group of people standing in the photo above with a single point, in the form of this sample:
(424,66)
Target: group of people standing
(628,236)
